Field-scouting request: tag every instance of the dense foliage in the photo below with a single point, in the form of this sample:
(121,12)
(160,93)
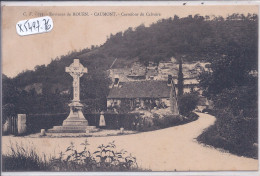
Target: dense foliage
(197,37)
(232,85)
(170,120)
(235,134)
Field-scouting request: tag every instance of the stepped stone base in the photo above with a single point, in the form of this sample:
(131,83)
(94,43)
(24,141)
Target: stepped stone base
(73,129)
(75,122)
(74,125)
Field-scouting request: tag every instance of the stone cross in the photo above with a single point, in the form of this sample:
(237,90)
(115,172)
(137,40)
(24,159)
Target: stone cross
(76,70)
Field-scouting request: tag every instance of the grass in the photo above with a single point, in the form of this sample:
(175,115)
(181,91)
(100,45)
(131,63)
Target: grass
(21,159)
(105,158)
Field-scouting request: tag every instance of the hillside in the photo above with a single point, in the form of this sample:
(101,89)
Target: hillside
(194,38)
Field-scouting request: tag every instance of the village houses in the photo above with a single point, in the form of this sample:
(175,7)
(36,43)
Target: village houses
(151,87)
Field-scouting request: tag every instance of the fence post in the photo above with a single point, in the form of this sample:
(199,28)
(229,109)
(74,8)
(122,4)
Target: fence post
(102,122)
(21,124)
(6,126)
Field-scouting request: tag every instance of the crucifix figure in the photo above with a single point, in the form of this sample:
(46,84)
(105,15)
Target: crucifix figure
(76,70)
(76,117)
(75,122)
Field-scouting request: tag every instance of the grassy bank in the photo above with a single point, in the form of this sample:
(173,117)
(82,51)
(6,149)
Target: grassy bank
(104,158)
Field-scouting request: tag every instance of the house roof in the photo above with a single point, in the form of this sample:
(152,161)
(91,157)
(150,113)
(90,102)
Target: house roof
(141,89)
(190,81)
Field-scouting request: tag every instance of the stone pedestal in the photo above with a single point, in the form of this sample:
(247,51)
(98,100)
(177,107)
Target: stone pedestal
(75,122)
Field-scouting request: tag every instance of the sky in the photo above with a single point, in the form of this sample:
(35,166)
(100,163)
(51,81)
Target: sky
(70,33)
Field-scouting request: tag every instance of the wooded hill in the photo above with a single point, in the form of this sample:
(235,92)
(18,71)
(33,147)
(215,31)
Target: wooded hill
(194,37)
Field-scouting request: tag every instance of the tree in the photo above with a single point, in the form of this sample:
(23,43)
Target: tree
(188,102)
(233,88)
(229,70)
(180,79)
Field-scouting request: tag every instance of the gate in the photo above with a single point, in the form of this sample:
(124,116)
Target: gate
(13,125)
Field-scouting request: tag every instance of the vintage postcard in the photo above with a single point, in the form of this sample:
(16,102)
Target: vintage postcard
(103,87)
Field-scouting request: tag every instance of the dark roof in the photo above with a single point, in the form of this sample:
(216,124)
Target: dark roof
(141,89)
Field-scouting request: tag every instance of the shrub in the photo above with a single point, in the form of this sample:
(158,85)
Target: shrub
(105,158)
(130,121)
(238,100)
(187,103)
(237,134)
(238,130)
(165,121)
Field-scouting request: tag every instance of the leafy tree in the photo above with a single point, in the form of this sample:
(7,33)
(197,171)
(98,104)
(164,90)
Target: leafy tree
(230,70)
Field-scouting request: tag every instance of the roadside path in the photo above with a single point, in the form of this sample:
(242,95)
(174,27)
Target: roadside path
(168,149)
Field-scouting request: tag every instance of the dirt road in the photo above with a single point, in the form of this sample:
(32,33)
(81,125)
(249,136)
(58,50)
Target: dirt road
(168,149)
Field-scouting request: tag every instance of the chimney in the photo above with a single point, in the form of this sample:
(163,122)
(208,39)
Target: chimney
(169,80)
(116,81)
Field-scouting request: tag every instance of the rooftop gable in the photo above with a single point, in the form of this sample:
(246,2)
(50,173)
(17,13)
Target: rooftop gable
(141,89)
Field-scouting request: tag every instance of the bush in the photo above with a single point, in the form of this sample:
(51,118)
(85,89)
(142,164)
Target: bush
(166,121)
(130,121)
(237,134)
(187,103)
(105,158)
(239,130)
(236,127)
(238,100)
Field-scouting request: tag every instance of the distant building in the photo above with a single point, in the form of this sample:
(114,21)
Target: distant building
(137,72)
(153,71)
(146,95)
(140,87)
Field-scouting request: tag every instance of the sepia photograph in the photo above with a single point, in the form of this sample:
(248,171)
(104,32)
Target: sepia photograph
(129,88)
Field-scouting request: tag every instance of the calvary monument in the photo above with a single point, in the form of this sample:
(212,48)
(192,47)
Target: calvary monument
(75,122)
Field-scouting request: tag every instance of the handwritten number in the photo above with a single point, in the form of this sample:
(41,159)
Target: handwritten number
(20,27)
(34,26)
(25,25)
(46,24)
(38,25)
(29,26)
